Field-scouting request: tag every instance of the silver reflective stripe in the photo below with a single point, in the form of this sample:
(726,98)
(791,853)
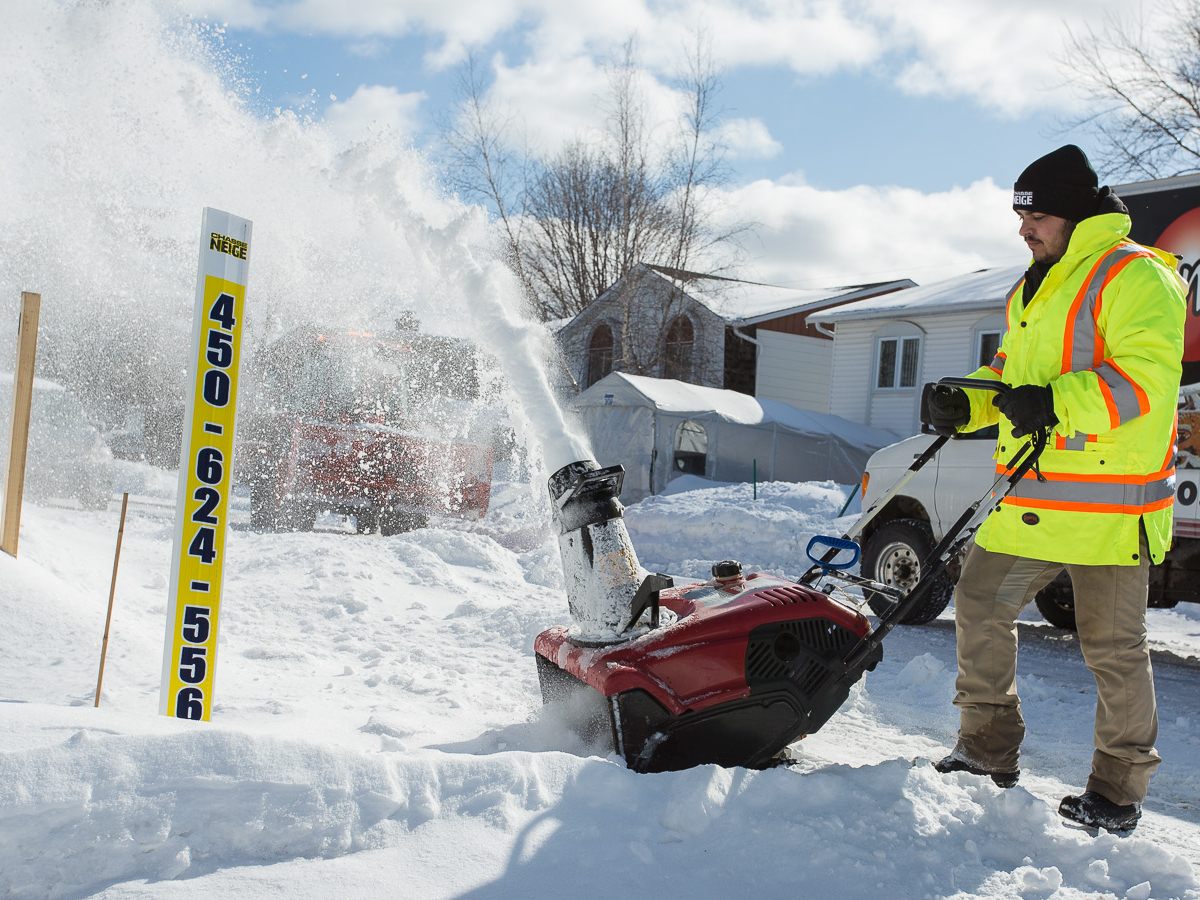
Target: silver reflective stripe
(1135,496)
(997,363)
(1076,441)
(1083,329)
(1124,395)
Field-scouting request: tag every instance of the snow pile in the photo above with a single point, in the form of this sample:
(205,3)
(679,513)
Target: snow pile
(378,732)
(704,518)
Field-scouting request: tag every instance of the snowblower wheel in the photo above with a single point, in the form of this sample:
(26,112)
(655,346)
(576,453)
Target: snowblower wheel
(893,556)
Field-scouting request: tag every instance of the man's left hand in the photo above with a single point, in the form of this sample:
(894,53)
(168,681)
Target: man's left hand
(1029,407)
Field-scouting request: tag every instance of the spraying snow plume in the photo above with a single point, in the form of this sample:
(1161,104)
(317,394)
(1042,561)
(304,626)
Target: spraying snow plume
(124,122)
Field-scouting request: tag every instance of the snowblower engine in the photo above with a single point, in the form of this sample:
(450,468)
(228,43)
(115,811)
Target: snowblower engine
(727,671)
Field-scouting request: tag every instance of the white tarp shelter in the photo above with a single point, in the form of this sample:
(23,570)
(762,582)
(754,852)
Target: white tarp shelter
(659,429)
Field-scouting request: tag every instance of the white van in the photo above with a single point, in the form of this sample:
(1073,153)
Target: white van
(896,543)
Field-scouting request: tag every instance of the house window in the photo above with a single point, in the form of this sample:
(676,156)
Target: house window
(897,362)
(677,358)
(989,343)
(691,449)
(600,354)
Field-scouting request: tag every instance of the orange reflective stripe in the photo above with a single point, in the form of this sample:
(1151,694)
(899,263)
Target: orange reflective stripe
(1082,506)
(1086,478)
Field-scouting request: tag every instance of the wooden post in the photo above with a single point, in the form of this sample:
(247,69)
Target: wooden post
(112,590)
(18,442)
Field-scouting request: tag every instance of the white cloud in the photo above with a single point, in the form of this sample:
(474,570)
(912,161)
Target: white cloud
(374,109)
(1002,55)
(1005,56)
(808,237)
(748,139)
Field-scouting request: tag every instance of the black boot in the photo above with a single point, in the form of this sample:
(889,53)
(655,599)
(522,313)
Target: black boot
(1097,811)
(953,763)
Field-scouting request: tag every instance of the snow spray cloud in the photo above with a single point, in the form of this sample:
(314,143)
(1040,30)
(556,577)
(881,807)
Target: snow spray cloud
(518,343)
(124,121)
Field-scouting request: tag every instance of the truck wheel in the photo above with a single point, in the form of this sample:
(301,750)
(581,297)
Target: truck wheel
(296,515)
(366,521)
(397,521)
(262,504)
(1056,602)
(893,556)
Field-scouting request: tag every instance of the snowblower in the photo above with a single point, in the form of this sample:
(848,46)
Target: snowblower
(734,669)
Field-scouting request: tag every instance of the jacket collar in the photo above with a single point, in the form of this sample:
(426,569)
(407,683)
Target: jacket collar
(1095,234)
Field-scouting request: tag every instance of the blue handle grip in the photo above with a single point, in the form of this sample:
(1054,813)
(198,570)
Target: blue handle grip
(835,543)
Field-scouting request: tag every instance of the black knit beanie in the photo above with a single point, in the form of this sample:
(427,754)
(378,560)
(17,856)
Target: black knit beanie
(1062,183)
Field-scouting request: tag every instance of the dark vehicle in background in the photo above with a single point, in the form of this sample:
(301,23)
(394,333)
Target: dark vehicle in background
(67,459)
(383,427)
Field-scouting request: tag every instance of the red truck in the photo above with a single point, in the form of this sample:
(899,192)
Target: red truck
(381,427)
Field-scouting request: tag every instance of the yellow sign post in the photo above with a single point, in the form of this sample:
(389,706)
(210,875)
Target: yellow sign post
(201,513)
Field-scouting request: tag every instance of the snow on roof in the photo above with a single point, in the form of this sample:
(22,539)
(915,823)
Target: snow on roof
(668,395)
(750,302)
(985,289)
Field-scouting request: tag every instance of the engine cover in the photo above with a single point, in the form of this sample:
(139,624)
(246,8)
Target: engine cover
(739,669)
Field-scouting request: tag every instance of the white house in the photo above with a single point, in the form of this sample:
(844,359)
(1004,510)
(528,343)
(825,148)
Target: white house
(888,347)
(713,332)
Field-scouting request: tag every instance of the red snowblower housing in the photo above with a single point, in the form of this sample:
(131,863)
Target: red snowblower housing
(727,671)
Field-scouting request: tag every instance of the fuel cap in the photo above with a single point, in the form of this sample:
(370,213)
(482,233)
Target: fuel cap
(727,569)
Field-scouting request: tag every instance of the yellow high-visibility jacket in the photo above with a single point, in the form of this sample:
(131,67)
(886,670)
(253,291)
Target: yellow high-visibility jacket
(1105,331)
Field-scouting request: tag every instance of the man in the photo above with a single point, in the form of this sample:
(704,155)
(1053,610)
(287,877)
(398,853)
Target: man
(1092,352)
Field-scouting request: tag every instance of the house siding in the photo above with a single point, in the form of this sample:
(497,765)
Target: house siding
(947,348)
(794,369)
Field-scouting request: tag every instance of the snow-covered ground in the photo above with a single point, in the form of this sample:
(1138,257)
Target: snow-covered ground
(378,732)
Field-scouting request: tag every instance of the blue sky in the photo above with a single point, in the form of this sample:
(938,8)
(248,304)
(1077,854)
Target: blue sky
(868,138)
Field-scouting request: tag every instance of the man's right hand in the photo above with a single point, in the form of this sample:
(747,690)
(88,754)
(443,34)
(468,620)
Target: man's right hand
(944,408)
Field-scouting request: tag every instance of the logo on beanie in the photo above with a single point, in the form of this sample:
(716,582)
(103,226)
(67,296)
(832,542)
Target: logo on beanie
(1023,198)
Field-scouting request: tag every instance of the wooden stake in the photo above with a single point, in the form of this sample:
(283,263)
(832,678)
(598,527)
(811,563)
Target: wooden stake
(111,593)
(18,443)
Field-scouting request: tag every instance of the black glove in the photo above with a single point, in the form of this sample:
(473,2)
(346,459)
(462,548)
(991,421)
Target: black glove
(944,408)
(1029,407)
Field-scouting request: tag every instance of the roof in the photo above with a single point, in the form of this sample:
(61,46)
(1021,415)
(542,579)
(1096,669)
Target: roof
(693,401)
(1174,183)
(749,302)
(982,290)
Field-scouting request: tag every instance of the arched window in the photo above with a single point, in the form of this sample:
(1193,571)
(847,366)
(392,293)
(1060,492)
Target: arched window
(691,449)
(677,358)
(600,354)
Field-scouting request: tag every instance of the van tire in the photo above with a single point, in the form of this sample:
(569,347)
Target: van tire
(893,556)
(1056,603)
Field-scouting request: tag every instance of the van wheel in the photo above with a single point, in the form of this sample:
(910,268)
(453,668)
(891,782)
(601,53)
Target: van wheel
(893,556)
(1056,602)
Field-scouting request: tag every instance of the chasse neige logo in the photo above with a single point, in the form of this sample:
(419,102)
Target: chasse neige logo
(228,245)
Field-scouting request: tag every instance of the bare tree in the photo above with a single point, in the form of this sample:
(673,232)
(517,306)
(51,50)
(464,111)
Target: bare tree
(1147,84)
(578,220)
(482,162)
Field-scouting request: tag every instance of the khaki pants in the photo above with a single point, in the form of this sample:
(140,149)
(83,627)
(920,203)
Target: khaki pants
(1110,610)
